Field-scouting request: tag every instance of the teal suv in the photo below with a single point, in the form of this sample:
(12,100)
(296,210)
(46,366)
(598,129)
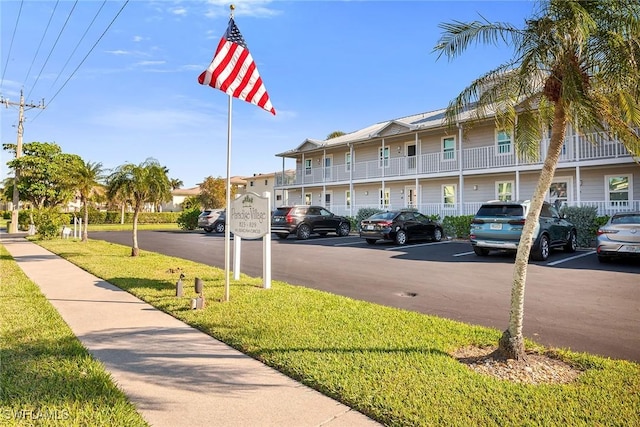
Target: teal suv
(498,226)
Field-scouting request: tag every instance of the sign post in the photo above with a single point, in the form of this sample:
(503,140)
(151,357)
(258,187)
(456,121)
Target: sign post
(250,218)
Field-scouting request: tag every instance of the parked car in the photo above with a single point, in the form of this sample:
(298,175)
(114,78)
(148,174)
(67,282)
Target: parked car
(400,226)
(304,220)
(212,220)
(619,237)
(498,225)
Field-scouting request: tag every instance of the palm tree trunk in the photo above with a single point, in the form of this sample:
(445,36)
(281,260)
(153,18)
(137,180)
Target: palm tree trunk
(122,213)
(511,344)
(134,249)
(85,233)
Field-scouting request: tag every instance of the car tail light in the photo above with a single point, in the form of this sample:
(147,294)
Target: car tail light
(602,231)
(516,222)
(289,219)
(385,223)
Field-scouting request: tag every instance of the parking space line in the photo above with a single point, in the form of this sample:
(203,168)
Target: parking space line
(357,242)
(417,245)
(464,253)
(560,261)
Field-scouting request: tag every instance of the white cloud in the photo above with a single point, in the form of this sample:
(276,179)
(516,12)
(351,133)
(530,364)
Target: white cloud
(180,11)
(145,63)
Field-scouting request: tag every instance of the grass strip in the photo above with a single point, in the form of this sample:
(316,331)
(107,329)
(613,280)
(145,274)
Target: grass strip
(46,376)
(391,364)
(128,227)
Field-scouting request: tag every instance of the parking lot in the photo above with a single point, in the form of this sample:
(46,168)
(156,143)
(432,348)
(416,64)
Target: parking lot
(571,300)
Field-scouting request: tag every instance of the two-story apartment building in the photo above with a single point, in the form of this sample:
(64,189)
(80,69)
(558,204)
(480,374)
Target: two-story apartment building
(418,161)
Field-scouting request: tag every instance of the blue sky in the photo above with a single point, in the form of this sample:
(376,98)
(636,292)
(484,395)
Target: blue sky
(327,65)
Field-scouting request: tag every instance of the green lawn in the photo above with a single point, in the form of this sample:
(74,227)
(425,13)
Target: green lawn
(46,376)
(390,364)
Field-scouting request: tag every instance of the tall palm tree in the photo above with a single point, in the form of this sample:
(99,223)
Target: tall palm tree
(576,62)
(144,183)
(87,178)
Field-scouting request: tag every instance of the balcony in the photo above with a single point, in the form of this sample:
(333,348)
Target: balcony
(577,148)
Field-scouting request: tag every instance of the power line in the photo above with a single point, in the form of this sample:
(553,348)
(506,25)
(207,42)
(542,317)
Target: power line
(41,40)
(13,36)
(78,45)
(86,56)
(53,47)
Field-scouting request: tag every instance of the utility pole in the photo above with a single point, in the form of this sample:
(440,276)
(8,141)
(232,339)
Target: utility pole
(16,199)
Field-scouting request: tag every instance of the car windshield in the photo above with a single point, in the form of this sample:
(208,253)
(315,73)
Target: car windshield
(281,211)
(626,219)
(383,215)
(500,210)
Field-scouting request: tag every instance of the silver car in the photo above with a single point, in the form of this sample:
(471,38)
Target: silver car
(212,220)
(619,237)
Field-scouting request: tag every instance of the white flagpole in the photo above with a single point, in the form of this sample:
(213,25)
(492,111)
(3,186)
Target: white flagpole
(227,232)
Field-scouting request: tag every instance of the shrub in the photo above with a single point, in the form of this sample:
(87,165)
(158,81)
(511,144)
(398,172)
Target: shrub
(49,221)
(364,213)
(584,218)
(457,227)
(188,220)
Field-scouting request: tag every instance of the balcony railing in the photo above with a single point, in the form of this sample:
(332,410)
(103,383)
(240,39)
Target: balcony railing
(444,210)
(574,149)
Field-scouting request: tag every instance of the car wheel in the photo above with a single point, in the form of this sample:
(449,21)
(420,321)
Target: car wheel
(282,235)
(219,227)
(572,243)
(371,241)
(437,234)
(481,251)
(208,229)
(542,251)
(401,237)
(344,229)
(304,231)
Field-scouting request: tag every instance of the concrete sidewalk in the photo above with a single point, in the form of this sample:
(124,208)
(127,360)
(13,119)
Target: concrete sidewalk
(174,374)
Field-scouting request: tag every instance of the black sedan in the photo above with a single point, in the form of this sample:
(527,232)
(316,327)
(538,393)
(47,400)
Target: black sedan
(400,226)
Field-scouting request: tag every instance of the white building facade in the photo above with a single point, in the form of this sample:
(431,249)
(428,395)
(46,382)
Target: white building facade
(419,162)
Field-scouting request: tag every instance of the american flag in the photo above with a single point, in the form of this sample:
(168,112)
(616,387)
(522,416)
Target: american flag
(234,72)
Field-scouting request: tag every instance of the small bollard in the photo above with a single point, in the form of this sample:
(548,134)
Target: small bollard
(198,285)
(197,303)
(179,286)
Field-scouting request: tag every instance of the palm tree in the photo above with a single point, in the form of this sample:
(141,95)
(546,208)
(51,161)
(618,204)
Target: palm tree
(335,134)
(87,178)
(576,62)
(144,183)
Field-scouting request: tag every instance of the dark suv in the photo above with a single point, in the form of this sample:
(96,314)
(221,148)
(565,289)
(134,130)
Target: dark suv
(303,220)
(498,225)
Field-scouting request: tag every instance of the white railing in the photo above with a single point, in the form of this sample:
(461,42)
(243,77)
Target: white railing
(591,147)
(444,210)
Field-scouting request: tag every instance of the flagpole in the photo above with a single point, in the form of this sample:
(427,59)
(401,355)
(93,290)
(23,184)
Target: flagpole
(227,231)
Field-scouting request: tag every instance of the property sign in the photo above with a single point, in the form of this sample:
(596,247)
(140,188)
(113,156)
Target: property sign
(250,217)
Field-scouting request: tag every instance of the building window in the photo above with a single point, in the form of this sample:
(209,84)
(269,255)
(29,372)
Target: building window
(307,166)
(347,162)
(347,198)
(449,148)
(307,198)
(504,191)
(383,156)
(266,182)
(449,194)
(503,142)
(558,192)
(618,189)
(385,198)
(250,183)
(278,197)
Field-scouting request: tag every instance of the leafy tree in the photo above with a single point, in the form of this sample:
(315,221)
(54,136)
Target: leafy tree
(144,183)
(335,134)
(213,192)
(191,202)
(574,63)
(46,174)
(87,177)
